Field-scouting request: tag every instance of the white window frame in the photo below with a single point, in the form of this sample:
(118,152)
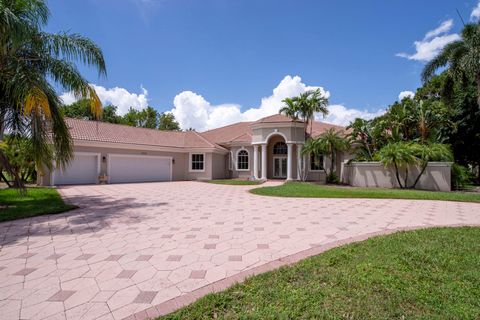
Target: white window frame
(248,162)
(310,164)
(190,162)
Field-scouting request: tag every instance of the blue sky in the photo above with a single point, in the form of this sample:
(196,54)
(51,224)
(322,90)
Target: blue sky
(219,58)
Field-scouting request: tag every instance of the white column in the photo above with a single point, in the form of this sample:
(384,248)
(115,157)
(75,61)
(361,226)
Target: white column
(264,162)
(299,160)
(255,162)
(289,161)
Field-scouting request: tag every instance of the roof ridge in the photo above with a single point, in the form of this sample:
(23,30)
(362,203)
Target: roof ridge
(208,141)
(245,133)
(228,125)
(124,125)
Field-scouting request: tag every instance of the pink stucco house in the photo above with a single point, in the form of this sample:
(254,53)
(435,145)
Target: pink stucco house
(265,149)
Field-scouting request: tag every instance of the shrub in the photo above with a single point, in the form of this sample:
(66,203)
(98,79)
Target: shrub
(461,176)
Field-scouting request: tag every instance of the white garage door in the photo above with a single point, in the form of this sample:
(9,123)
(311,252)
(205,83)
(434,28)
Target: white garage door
(138,168)
(83,169)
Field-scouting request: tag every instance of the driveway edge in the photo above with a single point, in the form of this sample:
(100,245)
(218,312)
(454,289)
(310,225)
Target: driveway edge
(176,303)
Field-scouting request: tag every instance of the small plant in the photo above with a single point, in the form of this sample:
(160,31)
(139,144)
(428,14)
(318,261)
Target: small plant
(332,177)
(461,176)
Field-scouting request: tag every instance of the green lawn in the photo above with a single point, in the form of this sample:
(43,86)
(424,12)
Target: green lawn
(235,182)
(310,190)
(424,274)
(37,201)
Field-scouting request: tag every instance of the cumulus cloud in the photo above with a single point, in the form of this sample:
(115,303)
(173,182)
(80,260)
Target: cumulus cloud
(341,115)
(193,111)
(119,97)
(405,94)
(434,41)
(475,15)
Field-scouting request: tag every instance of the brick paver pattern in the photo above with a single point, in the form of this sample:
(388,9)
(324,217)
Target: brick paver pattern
(130,247)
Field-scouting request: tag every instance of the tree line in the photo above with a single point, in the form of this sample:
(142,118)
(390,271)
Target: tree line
(146,118)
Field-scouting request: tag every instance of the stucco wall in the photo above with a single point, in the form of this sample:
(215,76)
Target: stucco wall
(290,133)
(180,169)
(219,166)
(243,174)
(437,176)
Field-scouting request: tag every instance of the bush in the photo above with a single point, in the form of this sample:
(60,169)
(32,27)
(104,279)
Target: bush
(461,176)
(332,177)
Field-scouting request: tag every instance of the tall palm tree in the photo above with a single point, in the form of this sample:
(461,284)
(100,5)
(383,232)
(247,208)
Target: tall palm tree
(32,62)
(461,57)
(309,103)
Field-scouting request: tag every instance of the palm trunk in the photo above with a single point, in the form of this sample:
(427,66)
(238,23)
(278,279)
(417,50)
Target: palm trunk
(331,163)
(424,167)
(477,79)
(397,174)
(405,184)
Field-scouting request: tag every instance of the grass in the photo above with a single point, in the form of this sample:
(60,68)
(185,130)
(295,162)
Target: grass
(235,182)
(37,201)
(310,190)
(424,274)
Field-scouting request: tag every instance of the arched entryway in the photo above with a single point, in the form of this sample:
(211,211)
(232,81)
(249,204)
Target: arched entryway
(278,158)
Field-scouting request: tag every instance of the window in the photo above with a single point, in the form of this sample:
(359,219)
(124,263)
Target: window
(242,160)
(197,162)
(280,148)
(316,162)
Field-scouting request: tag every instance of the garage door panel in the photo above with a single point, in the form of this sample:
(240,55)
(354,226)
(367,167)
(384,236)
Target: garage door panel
(125,169)
(83,169)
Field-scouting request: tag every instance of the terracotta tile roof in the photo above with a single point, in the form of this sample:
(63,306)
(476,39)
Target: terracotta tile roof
(228,133)
(115,133)
(276,118)
(321,127)
(242,132)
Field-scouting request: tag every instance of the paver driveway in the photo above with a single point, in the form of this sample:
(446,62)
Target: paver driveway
(132,247)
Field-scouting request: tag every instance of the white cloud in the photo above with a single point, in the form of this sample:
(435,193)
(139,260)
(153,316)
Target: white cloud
(432,43)
(475,15)
(193,111)
(119,97)
(443,28)
(340,115)
(405,94)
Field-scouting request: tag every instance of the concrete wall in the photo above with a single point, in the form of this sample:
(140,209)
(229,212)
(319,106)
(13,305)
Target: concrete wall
(437,176)
(214,163)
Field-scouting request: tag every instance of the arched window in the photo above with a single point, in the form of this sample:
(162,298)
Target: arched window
(242,160)
(280,148)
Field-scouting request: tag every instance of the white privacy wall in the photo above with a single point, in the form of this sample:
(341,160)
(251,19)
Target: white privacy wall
(437,176)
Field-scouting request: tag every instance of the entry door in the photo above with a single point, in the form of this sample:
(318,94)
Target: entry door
(280,167)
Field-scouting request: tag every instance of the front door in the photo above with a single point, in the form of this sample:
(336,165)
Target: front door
(280,167)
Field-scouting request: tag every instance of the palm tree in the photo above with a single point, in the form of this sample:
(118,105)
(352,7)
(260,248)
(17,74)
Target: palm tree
(32,62)
(330,142)
(398,154)
(461,57)
(362,138)
(309,103)
(430,152)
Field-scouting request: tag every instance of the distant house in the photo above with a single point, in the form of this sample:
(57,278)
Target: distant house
(265,149)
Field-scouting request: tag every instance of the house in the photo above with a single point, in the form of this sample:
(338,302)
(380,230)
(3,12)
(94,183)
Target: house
(265,149)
